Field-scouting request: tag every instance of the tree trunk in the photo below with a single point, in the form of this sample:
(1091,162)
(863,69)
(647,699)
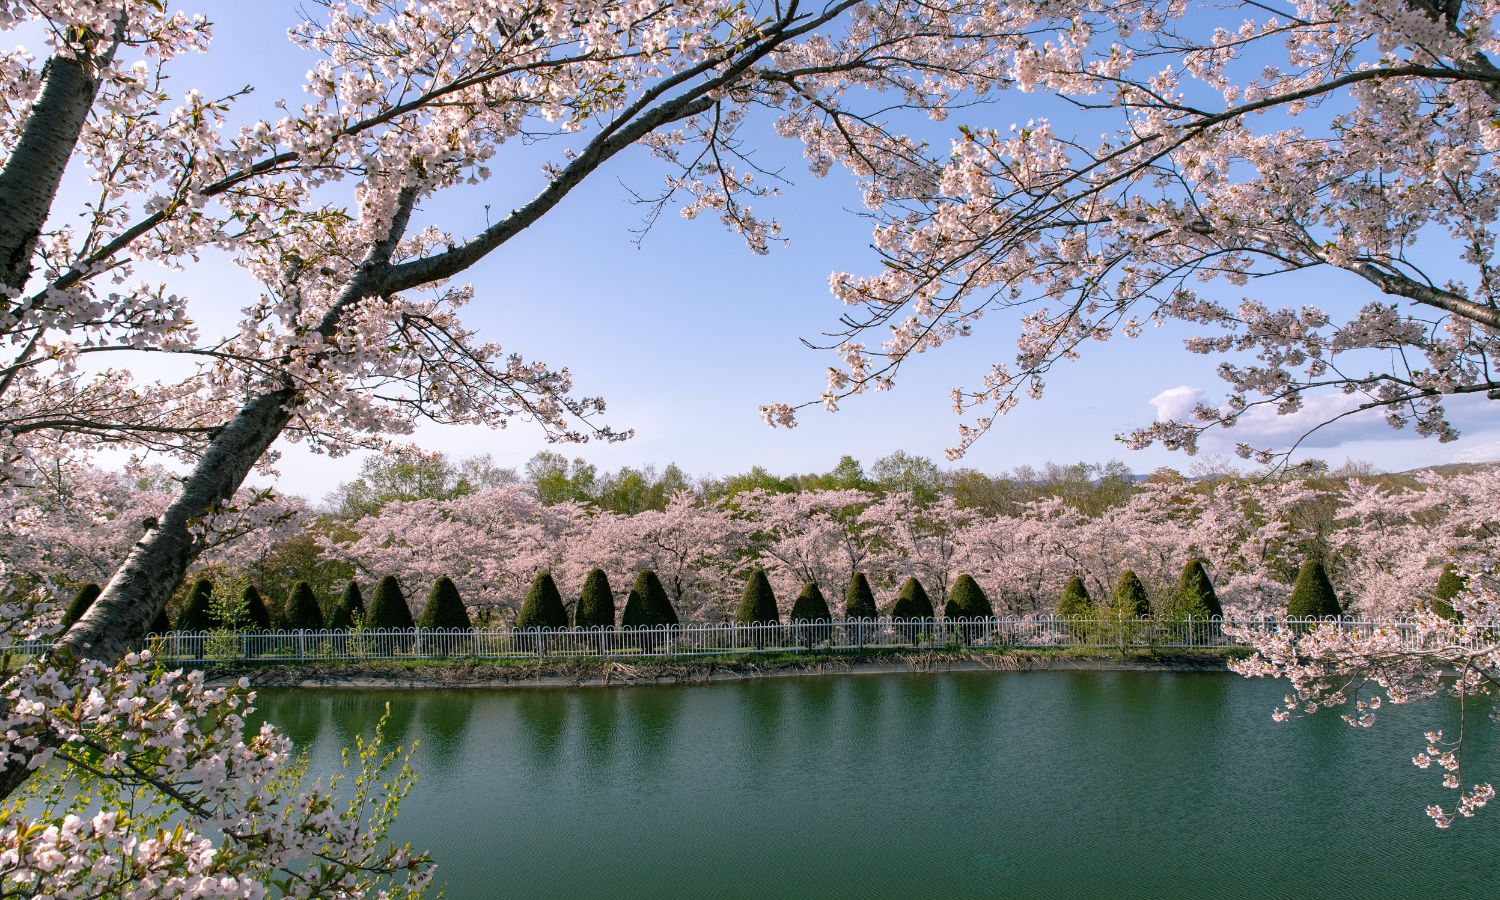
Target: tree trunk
(157,563)
(34,169)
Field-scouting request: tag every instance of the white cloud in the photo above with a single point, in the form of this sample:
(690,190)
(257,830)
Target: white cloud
(1485,451)
(1177,403)
(1263,425)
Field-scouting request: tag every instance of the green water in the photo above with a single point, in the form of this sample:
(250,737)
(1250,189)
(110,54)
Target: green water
(960,785)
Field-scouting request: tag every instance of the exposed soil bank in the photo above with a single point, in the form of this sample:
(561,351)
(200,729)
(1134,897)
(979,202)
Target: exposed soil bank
(618,672)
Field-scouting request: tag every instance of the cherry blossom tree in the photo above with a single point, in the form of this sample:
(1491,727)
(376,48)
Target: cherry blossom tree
(1177,153)
(356,333)
(693,547)
(817,536)
(915,539)
(75,523)
(1396,541)
(491,543)
(1016,558)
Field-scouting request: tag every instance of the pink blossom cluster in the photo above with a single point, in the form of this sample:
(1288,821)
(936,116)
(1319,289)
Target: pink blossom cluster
(1357,672)
(74,523)
(145,783)
(1184,164)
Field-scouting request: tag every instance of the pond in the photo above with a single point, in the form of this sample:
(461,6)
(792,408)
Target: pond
(1117,784)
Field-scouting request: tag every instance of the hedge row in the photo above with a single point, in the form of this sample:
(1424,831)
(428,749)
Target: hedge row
(1312,596)
(647,604)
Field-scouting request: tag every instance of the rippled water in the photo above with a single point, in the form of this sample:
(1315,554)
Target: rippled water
(960,785)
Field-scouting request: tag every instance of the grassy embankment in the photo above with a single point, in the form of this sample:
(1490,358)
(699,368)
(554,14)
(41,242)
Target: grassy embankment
(603,671)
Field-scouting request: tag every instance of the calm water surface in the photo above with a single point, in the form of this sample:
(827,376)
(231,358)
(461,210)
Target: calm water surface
(961,785)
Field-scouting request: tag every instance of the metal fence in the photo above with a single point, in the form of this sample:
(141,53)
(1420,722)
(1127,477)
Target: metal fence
(196,648)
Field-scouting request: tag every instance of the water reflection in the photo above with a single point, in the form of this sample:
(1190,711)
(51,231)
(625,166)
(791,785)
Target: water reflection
(974,785)
(648,732)
(442,727)
(355,712)
(541,728)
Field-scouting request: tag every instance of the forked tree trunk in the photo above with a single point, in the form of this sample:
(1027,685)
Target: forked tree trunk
(156,565)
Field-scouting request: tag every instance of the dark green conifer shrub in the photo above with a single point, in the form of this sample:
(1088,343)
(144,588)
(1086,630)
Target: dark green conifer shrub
(912,602)
(197,612)
(648,606)
(1449,585)
(1195,594)
(257,616)
(1130,601)
(1075,602)
(302,610)
(445,608)
(596,603)
(810,605)
(658,604)
(635,610)
(652,603)
(351,605)
(388,608)
(859,602)
(1313,596)
(543,606)
(758,604)
(81,602)
(811,611)
(967,600)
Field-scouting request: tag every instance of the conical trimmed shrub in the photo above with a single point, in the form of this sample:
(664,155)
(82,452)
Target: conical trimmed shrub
(1075,602)
(543,606)
(967,600)
(912,602)
(81,602)
(1195,594)
(635,610)
(1313,596)
(758,604)
(1449,585)
(388,607)
(302,610)
(197,612)
(257,617)
(810,605)
(596,602)
(1130,599)
(810,611)
(648,604)
(859,601)
(351,605)
(444,608)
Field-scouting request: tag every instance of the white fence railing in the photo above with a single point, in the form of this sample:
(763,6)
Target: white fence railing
(192,648)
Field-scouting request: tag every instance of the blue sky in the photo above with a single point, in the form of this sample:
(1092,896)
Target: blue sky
(688,334)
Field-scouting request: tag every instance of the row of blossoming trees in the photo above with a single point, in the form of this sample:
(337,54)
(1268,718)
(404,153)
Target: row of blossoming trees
(1384,544)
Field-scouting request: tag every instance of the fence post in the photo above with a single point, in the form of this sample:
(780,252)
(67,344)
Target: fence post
(301,645)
